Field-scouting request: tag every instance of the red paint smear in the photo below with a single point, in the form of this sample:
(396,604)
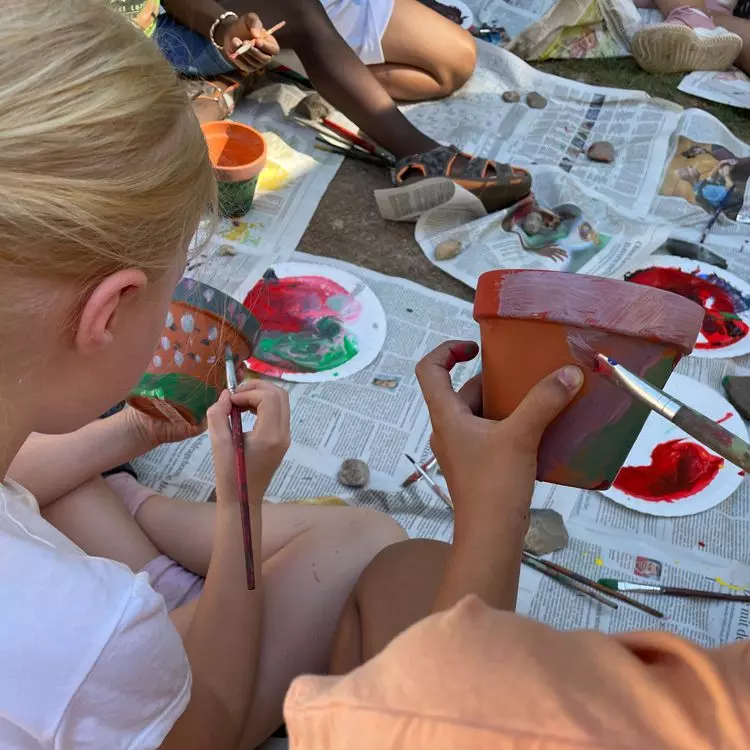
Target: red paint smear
(702,545)
(727,416)
(291,304)
(741,473)
(678,469)
(718,330)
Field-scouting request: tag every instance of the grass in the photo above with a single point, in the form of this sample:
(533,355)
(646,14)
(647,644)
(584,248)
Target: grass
(624,73)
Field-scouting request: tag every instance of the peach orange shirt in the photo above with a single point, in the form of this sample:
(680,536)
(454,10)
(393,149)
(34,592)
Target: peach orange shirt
(474,678)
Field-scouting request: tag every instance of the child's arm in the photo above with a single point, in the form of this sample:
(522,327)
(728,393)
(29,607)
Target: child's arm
(51,466)
(223,638)
(490,468)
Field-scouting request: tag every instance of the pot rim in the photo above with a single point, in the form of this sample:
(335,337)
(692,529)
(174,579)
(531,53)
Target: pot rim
(609,305)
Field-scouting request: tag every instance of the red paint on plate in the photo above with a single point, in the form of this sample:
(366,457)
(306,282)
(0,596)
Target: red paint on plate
(678,469)
(722,325)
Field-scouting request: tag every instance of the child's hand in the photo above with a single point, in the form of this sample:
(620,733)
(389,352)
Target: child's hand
(487,464)
(265,446)
(249,28)
(153,432)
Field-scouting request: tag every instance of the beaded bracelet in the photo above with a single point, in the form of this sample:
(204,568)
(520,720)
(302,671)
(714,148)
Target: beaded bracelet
(215,25)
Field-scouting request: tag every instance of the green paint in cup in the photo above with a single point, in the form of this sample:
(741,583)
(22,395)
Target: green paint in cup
(238,155)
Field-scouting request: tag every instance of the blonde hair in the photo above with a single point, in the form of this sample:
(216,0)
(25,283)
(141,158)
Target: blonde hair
(102,165)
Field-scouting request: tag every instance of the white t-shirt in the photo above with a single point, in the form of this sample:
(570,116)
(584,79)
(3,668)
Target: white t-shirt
(89,659)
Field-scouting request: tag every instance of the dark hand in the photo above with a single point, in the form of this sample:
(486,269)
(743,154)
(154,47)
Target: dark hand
(249,28)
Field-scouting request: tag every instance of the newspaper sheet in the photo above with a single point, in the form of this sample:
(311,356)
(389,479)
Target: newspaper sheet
(592,236)
(478,121)
(561,29)
(707,167)
(725,86)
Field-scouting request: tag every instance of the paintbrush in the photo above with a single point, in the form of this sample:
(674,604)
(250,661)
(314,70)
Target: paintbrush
(358,140)
(433,486)
(415,476)
(565,581)
(715,215)
(654,588)
(248,45)
(349,153)
(596,586)
(327,135)
(235,420)
(697,425)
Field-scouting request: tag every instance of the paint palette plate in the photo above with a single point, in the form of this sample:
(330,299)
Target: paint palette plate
(726,298)
(668,473)
(318,323)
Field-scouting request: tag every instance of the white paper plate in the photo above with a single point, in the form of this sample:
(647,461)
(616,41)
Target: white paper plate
(658,431)
(739,287)
(367,328)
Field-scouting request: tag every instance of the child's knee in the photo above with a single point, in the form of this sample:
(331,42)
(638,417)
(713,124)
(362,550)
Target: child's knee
(373,529)
(458,67)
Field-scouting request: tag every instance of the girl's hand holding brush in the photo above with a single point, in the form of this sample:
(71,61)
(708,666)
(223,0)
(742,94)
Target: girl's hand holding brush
(265,445)
(490,469)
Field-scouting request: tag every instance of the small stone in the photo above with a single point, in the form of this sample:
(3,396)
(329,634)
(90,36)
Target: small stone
(448,249)
(313,107)
(533,223)
(738,393)
(536,101)
(601,151)
(354,473)
(547,532)
(227,251)
(511,97)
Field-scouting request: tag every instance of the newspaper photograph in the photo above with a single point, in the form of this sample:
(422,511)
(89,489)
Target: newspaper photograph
(581,233)
(708,167)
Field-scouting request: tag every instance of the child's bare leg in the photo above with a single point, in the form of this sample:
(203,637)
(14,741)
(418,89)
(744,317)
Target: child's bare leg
(95,519)
(426,55)
(397,589)
(337,73)
(312,558)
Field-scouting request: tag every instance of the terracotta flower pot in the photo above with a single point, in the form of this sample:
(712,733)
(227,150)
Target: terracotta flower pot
(238,155)
(187,372)
(534,322)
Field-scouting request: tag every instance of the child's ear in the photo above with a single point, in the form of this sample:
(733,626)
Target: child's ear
(100,310)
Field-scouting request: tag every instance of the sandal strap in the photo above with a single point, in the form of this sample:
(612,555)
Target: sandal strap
(443,161)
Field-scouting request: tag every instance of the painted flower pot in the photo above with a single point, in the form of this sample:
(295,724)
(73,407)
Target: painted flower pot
(238,155)
(187,372)
(534,322)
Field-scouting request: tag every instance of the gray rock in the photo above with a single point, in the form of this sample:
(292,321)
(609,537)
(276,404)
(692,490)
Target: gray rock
(354,473)
(547,532)
(511,97)
(313,107)
(532,224)
(536,101)
(447,249)
(601,151)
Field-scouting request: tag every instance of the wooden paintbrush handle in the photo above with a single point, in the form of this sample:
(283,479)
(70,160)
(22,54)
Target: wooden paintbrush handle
(238,440)
(676,591)
(714,436)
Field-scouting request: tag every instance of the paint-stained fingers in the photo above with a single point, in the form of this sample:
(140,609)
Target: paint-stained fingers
(433,374)
(543,403)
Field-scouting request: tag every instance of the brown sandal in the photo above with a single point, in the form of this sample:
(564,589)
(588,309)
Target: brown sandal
(496,185)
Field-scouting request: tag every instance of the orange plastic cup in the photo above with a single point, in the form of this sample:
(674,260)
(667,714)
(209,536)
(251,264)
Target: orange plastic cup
(238,155)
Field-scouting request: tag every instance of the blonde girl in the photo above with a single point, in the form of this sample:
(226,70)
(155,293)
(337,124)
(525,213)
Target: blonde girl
(103,178)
